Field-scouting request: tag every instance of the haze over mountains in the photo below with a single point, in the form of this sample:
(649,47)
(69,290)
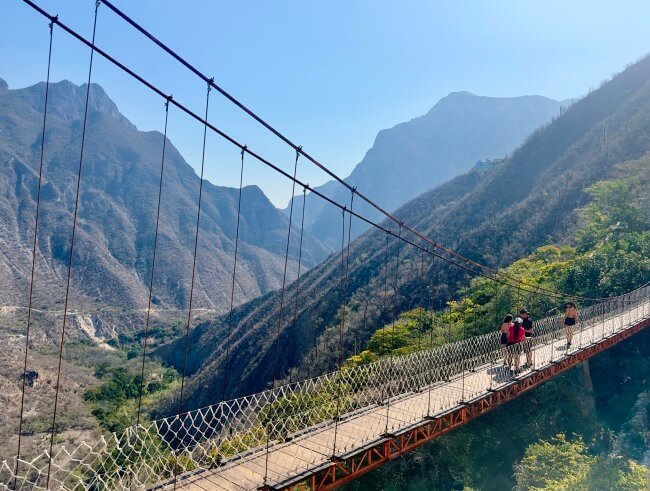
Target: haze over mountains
(120,177)
(417,155)
(494,215)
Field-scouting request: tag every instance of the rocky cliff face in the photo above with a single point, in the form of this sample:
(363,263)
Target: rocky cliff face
(420,154)
(119,187)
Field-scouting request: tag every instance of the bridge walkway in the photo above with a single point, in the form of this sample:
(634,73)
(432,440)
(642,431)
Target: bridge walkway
(315,449)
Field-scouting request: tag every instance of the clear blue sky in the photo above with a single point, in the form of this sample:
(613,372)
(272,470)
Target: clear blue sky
(328,74)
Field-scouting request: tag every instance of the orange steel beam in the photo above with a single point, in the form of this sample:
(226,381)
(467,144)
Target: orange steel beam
(348,468)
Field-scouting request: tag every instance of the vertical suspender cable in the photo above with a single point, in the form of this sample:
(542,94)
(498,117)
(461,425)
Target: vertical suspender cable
(196,247)
(226,366)
(297,292)
(281,306)
(34,246)
(153,265)
(72,242)
(496,320)
(419,269)
(194,255)
(364,324)
(284,275)
(342,290)
(347,254)
(496,300)
(432,326)
(449,323)
(384,301)
(337,381)
(394,318)
(385,296)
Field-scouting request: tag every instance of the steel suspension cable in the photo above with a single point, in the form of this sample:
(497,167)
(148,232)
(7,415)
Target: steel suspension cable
(34,246)
(423,289)
(181,404)
(72,243)
(394,319)
(153,266)
(253,154)
(281,306)
(432,326)
(347,256)
(284,275)
(297,292)
(385,296)
(307,156)
(342,291)
(196,247)
(495,305)
(341,327)
(364,324)
(226,367)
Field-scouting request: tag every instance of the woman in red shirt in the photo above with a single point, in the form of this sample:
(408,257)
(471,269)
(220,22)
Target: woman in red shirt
(516,335)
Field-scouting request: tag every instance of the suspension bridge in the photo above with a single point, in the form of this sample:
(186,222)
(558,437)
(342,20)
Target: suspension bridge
(321,432)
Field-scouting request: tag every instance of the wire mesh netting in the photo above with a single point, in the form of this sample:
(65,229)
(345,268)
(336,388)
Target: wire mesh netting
(287,432)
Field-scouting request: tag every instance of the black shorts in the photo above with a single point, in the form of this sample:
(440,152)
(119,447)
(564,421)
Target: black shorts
(514,347)
(528,344)
(504,338)
(569,321)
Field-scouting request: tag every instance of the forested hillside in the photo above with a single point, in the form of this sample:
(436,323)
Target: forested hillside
(602,406)
(496,215)
(593,420)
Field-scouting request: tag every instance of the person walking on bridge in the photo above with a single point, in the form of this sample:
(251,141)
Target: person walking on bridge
(529,333)
(570,319)
(516,335)
(505,328)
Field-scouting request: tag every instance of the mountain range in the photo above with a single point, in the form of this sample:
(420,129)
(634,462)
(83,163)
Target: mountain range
(119,187)
(416,156)
(494,214)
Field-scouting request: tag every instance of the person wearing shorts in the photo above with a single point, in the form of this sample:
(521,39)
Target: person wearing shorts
(570,320)
(504,329)
(529,333)
(515,338)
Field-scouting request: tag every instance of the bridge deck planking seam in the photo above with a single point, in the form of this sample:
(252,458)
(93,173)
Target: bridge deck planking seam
(351,431)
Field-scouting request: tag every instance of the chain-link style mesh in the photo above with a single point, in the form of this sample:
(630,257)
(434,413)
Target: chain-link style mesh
(226,445)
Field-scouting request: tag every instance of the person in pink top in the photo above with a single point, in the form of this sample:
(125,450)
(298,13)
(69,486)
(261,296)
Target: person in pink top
(516,335)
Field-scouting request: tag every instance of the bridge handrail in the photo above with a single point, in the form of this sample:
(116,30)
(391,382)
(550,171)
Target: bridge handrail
(236,429)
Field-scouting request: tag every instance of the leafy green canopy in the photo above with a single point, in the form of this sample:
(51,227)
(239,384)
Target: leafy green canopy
(563,464)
